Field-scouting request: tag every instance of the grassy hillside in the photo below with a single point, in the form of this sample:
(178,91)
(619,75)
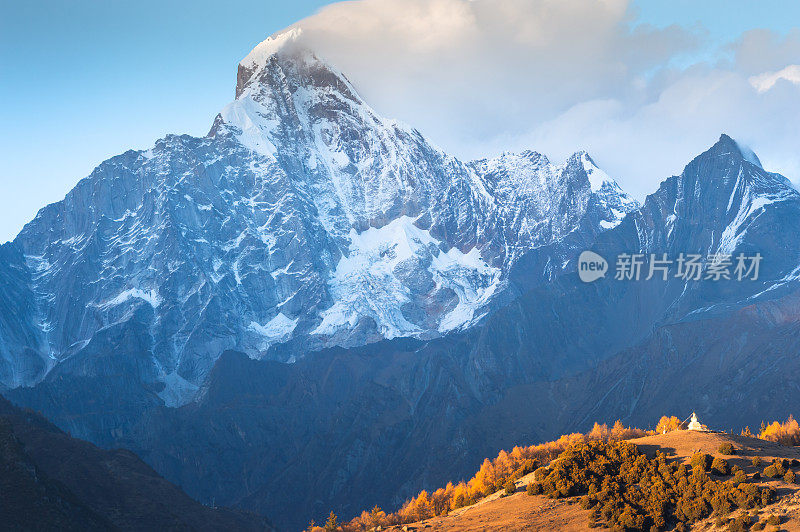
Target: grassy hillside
(622,478)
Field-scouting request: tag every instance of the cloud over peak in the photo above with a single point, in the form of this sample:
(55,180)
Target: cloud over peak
(481,76)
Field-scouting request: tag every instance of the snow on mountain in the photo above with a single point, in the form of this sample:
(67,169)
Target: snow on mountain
(609,196)
(383,265)
(750,191)
(302,214)
(722,206)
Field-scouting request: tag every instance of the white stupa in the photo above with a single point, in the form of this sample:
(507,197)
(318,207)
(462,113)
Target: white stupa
(694,424)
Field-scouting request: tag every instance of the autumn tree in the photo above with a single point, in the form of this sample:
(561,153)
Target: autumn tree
(667,424)
(332,524)
(492,476)
(787,433)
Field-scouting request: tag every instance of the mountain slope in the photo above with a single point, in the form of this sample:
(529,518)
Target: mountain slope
(33,501)
(52,481)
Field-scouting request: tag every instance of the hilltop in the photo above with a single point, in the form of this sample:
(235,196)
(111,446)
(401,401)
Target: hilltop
(523,511)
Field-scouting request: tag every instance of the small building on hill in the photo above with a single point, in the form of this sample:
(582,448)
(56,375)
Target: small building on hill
(694,424)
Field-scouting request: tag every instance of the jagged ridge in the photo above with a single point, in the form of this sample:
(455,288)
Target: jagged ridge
(301,215)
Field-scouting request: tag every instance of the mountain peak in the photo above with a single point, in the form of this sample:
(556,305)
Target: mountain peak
(726,145)
(276,43)
(597,177)
(286,52)
(283,84)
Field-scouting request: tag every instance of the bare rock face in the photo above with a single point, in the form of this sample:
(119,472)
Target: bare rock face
(302,215)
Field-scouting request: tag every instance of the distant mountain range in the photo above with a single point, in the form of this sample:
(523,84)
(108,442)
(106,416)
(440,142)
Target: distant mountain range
(314,308)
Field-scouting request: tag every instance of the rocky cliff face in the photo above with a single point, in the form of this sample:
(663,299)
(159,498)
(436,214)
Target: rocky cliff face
(302,215)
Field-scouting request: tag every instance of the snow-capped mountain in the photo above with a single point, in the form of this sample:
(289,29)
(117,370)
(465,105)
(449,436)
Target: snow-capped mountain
(302,215)
(724,203)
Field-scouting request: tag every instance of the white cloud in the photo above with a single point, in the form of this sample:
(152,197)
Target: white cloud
(765,81)
(482,76)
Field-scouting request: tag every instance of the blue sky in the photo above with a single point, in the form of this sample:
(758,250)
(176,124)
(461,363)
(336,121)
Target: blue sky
(85,80)
(724,19)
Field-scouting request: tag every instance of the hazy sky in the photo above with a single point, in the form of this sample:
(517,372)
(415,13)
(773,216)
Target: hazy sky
(642,86)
